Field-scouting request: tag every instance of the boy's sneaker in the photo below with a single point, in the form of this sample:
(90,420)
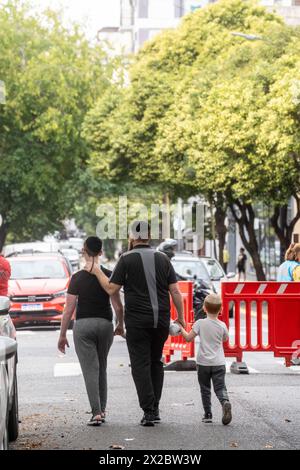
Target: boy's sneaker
(207,418)
(227,415)
(148,419)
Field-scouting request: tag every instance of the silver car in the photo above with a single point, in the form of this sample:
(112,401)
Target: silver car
(204,268)
(9,413)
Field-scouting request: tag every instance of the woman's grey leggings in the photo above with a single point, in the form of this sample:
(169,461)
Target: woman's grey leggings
(93,338)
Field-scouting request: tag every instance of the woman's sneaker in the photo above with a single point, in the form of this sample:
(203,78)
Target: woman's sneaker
(207,418)
(227,415)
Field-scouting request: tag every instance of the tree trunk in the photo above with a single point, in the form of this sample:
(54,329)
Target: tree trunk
(3,233)
(245,217)
(282,228)
(221,229)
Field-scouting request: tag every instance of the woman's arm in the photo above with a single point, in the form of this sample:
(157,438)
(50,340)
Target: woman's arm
(67,315)
(118,308)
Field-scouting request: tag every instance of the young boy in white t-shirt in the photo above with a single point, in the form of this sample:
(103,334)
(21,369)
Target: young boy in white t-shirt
(211,365)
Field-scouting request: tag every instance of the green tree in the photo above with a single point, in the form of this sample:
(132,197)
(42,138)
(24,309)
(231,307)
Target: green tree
(53,77)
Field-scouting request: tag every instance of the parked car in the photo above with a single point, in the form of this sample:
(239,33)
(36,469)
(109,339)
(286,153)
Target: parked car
(38,288)
(76,243)
(9,410)
(73,256)
(33,247)
(202,268)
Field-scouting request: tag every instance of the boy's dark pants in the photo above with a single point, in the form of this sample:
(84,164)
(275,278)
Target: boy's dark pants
(216,374)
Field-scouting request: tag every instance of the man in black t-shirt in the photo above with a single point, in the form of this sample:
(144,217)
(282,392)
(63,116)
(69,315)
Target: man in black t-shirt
(148,278)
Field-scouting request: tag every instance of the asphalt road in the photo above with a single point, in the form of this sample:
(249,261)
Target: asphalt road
(54,407)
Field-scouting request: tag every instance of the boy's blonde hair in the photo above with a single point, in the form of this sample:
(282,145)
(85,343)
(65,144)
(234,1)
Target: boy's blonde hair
(213,304)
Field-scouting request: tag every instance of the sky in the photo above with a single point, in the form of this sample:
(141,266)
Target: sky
(96,13)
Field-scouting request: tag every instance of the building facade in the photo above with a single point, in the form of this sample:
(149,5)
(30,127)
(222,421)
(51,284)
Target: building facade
(141,20)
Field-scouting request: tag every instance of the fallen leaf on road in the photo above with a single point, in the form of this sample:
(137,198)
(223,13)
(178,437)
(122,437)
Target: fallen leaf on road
(287,420)
(116,447)
(234,444)
(269,446)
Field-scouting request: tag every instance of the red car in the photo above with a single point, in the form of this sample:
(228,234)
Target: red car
(37,288)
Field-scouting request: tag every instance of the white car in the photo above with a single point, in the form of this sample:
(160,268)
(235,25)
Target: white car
(9,411)
(73,256)
(201,268)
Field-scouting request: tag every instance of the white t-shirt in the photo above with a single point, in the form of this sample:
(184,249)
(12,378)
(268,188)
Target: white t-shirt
(212,334)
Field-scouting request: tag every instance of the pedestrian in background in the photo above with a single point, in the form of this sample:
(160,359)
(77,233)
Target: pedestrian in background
(93,329)
(226,258)
(211,364)
(148,278)
(289,270)
(5,273)
(241,264)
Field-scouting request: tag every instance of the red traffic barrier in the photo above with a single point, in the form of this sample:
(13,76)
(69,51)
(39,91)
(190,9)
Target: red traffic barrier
(177,343)
(266,318)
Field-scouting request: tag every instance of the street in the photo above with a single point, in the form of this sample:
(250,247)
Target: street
(54,406)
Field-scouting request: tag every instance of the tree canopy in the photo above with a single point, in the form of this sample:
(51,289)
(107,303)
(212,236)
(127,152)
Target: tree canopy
(52,77)
(210,112)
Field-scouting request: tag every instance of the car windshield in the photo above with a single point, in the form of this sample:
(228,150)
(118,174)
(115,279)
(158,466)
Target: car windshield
(37,269)
(190,269)
(214,269)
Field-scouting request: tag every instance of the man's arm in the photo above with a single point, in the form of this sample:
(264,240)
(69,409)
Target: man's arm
(109,287)
(118,308)
(67,315)
(178,302)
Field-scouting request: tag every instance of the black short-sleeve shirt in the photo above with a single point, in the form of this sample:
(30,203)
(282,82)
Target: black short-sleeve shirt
(146,275)
(93,301)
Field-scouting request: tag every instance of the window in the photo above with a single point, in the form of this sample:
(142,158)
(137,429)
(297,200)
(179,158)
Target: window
(143,11)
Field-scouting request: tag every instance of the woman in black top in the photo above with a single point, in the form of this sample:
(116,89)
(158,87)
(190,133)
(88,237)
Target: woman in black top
(93,329)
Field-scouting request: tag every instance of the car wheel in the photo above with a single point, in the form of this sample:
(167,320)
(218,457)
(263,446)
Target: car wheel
(13,418)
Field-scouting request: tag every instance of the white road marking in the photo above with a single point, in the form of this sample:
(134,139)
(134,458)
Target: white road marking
(295,369)
(67,370)
(25,333)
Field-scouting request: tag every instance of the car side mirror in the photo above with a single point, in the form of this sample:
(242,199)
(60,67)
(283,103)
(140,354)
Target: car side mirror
(4,305)
(8,348)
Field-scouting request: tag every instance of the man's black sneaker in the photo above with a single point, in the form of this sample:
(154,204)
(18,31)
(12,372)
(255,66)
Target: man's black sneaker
(156,415)
(207,418)
(148,419)
(227,415)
